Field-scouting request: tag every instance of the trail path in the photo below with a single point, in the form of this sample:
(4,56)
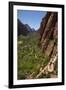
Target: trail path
(49,67)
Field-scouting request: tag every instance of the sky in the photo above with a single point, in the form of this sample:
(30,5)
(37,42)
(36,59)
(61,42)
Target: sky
(32,18)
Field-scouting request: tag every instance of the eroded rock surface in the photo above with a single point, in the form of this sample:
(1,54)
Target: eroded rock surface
(48,41)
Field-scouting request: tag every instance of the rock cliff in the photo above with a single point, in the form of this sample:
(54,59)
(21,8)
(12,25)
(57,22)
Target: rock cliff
(48,41)
(49,34)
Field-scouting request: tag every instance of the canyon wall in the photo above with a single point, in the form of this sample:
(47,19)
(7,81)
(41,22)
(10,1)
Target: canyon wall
(48,42)
(49,34)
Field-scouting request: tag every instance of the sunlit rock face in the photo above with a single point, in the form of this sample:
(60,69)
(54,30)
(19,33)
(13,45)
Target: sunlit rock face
(49,34)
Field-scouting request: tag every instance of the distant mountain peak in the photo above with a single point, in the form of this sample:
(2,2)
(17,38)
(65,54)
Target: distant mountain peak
(24,29)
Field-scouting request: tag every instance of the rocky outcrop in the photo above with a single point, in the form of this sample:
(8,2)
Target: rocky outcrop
(48,43)
(49,34)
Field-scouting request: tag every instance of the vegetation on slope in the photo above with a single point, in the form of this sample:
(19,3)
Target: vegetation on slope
(30,56)
(37,51)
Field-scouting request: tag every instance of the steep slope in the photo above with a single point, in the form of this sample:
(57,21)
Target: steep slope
(48,33)
(48,41)
(29,28)
(24,29)
(37,52)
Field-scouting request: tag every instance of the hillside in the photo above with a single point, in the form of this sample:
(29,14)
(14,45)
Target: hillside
(48,42)
(30,56)
(23,29)
(37,51)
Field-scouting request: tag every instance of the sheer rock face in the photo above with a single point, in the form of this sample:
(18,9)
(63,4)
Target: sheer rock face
(49,34)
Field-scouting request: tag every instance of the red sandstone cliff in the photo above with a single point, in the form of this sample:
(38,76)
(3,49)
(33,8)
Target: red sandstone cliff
(48,42)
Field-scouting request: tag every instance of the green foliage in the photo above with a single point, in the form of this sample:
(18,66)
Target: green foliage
(30,56)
